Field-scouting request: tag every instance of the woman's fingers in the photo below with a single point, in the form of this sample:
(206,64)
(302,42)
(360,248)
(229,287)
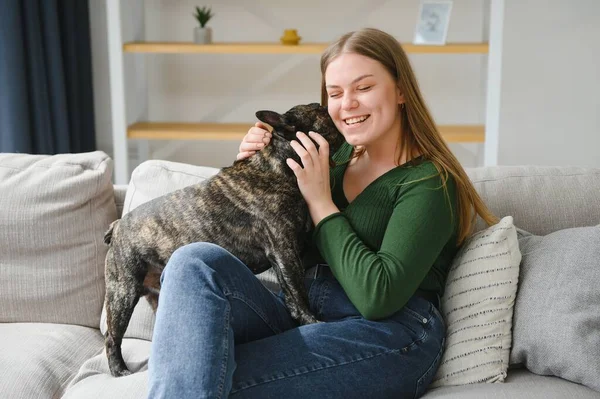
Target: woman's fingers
(256,138)
(261,125)
(309,146)
(244,155)
(323,149)
(305,157)
(307,143)
(311,172)
(297,169)
(308,152)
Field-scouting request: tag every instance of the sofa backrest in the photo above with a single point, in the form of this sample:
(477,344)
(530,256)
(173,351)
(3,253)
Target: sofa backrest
(541,199)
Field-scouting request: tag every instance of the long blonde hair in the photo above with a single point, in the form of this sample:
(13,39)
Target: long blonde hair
(419,132)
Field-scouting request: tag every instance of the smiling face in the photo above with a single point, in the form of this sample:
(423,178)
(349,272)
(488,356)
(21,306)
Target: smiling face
(363,100)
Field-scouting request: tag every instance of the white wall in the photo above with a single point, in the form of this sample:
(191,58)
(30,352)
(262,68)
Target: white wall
(100,74)
(188,87)
(550,105)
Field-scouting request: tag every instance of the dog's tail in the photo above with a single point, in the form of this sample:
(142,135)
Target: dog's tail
(109,233)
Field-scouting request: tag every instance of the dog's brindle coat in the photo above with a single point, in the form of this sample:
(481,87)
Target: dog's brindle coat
(253,209)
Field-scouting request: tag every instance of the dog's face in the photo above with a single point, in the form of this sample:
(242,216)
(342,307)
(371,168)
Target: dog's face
(304,118)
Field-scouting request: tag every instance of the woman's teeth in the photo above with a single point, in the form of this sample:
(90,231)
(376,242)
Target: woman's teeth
(352,121)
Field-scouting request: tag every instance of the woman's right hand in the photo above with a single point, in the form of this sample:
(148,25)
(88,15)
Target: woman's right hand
(257,138)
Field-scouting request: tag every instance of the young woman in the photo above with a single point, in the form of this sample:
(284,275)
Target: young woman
(389,218)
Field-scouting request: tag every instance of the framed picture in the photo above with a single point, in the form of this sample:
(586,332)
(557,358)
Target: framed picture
(432,23)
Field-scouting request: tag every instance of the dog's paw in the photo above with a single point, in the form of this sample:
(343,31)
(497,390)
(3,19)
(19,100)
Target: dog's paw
(309,319)
(303,316)
(118,368)
(121,373)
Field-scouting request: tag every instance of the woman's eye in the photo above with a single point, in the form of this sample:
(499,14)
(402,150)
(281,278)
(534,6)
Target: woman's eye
(364,88)
(334,95)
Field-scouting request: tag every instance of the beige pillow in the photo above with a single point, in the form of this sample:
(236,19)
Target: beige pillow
(54,211)
(478,306)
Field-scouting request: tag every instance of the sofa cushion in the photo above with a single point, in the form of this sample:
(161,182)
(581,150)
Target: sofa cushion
(477,306)
(518,384)
(556,326)
(95,381)
(54,211)
(39,360)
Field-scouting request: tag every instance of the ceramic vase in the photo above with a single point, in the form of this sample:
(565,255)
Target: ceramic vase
(203,35)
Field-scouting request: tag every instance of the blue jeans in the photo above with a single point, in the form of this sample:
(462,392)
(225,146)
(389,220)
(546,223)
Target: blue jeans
(220,333)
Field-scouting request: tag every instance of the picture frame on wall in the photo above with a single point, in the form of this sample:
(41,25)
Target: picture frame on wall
(432,22)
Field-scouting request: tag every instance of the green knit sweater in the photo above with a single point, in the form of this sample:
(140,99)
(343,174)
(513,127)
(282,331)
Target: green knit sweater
(392,238)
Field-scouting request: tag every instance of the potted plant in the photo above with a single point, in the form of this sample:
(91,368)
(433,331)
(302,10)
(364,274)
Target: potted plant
(203,34)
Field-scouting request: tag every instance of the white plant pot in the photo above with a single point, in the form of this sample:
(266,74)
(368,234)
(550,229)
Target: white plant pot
(203,35)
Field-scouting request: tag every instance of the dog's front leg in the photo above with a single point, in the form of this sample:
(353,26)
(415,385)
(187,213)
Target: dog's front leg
(290,273)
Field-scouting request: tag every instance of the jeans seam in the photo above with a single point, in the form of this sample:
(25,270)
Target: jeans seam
(322,367)
(223,374)
(429,369)
(256,310)
(437,312)
(325,294)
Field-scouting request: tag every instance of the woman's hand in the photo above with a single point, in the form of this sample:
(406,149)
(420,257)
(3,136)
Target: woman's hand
(258,137)
(313,175)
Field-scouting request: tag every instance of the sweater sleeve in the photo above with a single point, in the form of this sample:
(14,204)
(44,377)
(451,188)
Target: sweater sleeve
(379,283)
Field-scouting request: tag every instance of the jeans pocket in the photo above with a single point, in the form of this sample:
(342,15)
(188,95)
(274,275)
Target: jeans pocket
(413,323)
(417,314)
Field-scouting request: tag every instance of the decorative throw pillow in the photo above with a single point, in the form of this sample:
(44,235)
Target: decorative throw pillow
(556,324)
(54,210)
(477,306)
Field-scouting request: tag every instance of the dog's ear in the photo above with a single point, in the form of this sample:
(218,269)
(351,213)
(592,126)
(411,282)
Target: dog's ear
(277,121)
(271,117)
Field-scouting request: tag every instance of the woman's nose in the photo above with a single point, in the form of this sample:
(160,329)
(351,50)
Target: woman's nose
(349,102)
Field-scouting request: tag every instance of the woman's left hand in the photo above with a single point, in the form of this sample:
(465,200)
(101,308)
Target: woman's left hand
(313,175)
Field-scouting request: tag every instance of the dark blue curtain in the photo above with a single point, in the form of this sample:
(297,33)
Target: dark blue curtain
(46,100)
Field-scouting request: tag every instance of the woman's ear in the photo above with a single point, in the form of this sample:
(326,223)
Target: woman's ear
(399,96)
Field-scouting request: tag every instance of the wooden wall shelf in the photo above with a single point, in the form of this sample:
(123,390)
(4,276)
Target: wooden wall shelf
(277,48)
(236,131)
(488,45)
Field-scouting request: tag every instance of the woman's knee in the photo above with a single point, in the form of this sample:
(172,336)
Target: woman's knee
(192,258)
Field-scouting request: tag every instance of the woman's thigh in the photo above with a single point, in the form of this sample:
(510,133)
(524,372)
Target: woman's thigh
(205,273)
(345,357)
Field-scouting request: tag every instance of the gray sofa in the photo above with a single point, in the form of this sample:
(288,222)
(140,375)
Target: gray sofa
(55,209)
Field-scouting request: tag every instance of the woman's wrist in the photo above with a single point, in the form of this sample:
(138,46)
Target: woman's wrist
(320,211)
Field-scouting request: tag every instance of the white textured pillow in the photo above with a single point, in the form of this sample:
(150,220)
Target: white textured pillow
(478,306)
(54,211)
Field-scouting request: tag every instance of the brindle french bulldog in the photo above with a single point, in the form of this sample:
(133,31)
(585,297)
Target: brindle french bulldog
(258,195)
